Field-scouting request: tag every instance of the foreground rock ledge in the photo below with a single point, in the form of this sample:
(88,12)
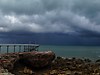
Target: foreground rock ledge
(32,59)
(60,66)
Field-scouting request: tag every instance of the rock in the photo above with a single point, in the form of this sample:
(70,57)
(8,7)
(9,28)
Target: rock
(53,72)
(77,73)
(5,72)
(36,59)
(44,74)
(87,60)
(27,71)
(31,59)
(98,60)
(68,72)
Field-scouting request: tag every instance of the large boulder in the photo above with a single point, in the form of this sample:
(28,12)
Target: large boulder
(32,59)
(36,59)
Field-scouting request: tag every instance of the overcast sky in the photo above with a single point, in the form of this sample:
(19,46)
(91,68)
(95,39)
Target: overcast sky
(73,17)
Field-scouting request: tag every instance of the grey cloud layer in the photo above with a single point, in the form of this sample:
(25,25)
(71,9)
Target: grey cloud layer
(65,16)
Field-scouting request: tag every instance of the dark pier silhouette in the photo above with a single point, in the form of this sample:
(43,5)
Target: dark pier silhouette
(26,47)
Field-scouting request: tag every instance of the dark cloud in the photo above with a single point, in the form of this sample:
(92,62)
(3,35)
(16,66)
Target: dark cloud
(53,16)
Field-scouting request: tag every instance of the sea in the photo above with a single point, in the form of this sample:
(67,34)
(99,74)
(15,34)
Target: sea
(91,52)
(84,52)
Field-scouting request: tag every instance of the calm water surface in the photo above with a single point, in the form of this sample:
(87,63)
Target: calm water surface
(91,52)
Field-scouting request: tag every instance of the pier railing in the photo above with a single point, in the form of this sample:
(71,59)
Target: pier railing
(8,48)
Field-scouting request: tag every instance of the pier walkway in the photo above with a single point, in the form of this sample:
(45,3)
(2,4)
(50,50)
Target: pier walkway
(8,48)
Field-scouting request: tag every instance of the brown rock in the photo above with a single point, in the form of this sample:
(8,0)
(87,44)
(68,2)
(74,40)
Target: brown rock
(53,72)
(36,59)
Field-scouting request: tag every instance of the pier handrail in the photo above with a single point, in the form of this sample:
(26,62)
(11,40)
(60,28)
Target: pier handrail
(19,44)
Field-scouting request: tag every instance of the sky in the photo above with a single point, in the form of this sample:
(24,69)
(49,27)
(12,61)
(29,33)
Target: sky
(63,22)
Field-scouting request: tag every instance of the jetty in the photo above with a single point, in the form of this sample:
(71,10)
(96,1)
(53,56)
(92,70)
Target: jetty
(8,48)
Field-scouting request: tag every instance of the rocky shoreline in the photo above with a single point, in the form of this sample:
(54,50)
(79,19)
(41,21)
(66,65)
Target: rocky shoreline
(56,66)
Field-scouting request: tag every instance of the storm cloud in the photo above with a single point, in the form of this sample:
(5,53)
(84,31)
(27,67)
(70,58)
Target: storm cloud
(50,16)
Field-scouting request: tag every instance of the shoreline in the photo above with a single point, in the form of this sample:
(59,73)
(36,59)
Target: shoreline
(59,66)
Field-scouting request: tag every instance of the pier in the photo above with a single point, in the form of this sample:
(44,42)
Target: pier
(8,48)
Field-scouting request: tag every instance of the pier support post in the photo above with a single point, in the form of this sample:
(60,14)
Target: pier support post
(0,49)
(7,48)
(14,48)
(28,49)
(20,48)
(24,48)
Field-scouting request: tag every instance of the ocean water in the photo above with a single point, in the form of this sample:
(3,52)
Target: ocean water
(91,52)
